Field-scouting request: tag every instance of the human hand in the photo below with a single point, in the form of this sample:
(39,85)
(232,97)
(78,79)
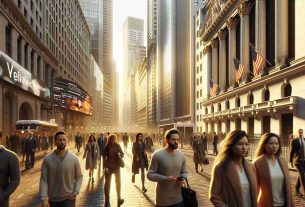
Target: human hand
(45,203)
(180,181)
(171,179)
(72,196)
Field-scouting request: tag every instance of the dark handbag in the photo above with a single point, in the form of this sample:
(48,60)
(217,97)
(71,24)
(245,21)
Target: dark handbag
(121,162)
(188,195)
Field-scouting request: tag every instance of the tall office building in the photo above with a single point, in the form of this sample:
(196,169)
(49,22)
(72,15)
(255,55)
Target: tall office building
(92,10)
(151,65)
(67,35)
(99,17)
(133,52)
(174,103)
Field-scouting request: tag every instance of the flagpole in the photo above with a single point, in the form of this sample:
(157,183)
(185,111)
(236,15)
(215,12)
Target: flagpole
(260,54)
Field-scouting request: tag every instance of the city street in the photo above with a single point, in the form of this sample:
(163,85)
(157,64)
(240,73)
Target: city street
(92,194)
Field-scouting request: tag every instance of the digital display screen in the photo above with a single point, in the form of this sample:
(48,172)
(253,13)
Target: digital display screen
(71,96)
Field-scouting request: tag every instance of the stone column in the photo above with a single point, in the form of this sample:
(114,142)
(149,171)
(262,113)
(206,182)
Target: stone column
(260,30)
(28,66)
(14,44)
(231,24)
(208,52)
(41,68)
(215,73)
(3,24)
(281,33)
(34,70)
(244,11)
(222,35)
(22,52)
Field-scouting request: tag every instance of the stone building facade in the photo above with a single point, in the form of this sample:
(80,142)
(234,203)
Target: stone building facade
(272,101)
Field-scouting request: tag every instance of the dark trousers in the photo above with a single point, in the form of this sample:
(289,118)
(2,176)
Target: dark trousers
(30,159)
(65,203)
(175,205)
(301,176)
(215,150)
(117,174)
(78,146)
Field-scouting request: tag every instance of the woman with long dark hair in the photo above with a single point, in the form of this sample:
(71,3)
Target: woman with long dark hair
(233,181)
(113,154)
(92,154)
(139,160)
(272,173)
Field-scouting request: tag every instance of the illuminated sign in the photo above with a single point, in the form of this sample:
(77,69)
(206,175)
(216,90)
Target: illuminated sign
(15,74)
(70,96)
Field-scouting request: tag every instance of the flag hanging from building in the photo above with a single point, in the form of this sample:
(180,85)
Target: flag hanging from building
(213,88)
(257,61)
(239,70)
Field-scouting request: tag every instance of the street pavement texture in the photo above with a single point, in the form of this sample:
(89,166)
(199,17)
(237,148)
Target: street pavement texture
(92,194)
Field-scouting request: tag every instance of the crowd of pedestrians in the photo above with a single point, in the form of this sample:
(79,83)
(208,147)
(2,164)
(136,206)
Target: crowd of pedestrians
(235,180)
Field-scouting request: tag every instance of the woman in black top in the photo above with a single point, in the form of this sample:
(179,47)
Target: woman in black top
(139,160)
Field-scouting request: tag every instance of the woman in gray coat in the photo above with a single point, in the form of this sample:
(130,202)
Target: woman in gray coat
(92,154)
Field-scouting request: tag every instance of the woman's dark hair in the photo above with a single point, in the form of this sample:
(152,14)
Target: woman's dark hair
(228,143)
(169,133)
(261,149)
(138,135)
(92,136)
(58,133)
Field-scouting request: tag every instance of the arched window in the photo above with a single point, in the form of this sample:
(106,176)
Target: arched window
(238,102)
(266,95)
(287,90)
(219,107)
(251,99)
(212,109)
(228,105)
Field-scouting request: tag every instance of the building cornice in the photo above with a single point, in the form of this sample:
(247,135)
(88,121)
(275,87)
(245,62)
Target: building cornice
(15,17)
(214,21)
(291,71)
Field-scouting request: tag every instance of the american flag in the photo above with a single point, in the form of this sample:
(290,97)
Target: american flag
(239,70)
(213,88)
(257,61)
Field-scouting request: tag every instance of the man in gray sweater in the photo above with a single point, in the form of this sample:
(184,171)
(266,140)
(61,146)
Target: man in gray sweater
(9,174)
(61,176)
(167,167)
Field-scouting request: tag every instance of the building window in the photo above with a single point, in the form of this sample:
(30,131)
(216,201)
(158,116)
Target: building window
(219,107)
(251,99)
(267,95)
(200,92)
(26,55)
(32,61)
(270,32)
(19,49)
(287,90)
(8,40)
(197,106)
(19,3)
(291,30)
(228,105)
(238,102)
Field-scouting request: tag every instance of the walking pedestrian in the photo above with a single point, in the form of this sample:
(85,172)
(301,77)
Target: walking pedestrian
(215,143)
(78,141)
(199,154)
(139,160)
(148,141)
(205,142)
(51,141)
(102,142)
(61,176)
(113,154)
(14,142)
(9,174)
(92,155)
(233,181)
(167,168)
(30,148)
(272,173)
(125,141)
(297,160)
(44,143)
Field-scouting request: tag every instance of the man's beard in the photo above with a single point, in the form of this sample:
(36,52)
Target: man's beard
(61,147)
(173,146)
